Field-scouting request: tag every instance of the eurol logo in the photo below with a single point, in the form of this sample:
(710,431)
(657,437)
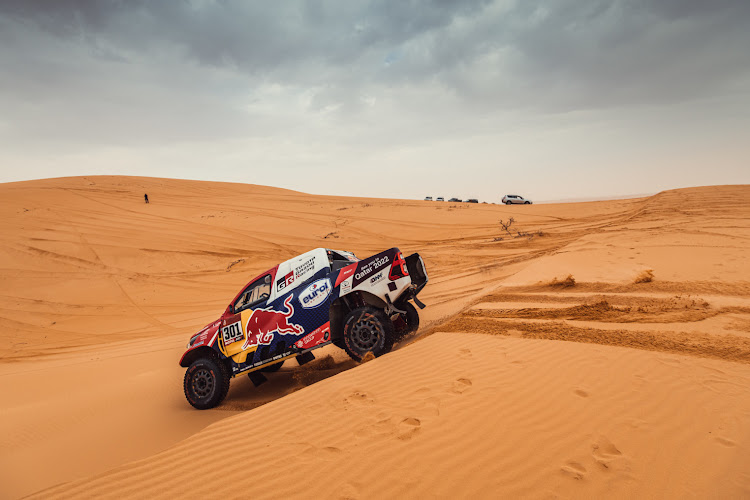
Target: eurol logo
(315,294)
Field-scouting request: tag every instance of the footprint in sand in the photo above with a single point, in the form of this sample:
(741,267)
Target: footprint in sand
(581,393)
(464,353)
(461,385)
(724,441)
(358,398)
(320,452)
(408,428)
(348,492)
(669,361)
(428,406)
(574,470)
(604,452)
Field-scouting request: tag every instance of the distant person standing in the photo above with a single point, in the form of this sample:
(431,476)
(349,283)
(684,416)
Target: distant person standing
(145,196)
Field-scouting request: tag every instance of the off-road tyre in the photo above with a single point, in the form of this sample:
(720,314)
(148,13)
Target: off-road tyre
(508,202)
(272,368)
(408,323)
(367,329)
(206,383)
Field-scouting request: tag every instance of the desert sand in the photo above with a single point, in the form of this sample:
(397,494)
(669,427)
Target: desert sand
(592,349)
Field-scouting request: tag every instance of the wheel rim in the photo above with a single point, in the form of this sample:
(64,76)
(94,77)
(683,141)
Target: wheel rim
(366,334)
(203,383)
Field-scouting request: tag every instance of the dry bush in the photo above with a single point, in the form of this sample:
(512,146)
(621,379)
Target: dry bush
(568,282)
(646,276)
(505,226)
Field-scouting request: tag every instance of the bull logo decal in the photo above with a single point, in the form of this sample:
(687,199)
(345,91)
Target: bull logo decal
(264,322)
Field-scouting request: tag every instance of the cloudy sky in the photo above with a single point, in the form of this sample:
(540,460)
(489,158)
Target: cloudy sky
(550,99)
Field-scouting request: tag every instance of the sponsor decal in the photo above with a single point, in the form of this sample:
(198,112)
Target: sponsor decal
(346,287)
(200,340)
(263,323)
(305,267)
(315,294)
(371,266)
(368,268)
(316,337)
(285,281)
(376,278)
(231,333)
(345,273)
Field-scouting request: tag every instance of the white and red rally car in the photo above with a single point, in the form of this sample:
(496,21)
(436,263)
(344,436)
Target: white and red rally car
(317,298)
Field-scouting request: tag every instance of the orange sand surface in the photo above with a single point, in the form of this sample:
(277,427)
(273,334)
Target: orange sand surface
(592,349)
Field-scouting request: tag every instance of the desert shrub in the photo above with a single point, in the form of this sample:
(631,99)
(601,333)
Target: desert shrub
(567,282)
(646,276)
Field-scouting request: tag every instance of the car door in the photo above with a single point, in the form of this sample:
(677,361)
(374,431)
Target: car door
(233,340)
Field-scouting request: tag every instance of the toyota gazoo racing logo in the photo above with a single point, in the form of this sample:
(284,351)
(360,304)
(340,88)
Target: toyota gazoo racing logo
(264,322)
(315,294)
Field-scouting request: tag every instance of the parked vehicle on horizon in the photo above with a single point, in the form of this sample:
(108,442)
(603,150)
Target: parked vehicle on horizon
(440,198)
(428,198)
(472,200)
(455,200)
(514,199)
(318,298)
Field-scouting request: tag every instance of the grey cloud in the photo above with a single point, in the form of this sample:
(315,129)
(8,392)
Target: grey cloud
(394,72)
(552,55)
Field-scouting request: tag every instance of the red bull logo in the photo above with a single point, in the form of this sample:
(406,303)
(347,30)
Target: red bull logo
(262,324)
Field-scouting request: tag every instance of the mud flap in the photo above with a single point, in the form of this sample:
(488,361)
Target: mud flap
(418,302)
(257,378)
(305,358)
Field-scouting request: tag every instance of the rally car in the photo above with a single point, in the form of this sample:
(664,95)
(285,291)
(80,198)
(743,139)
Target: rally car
(318,298)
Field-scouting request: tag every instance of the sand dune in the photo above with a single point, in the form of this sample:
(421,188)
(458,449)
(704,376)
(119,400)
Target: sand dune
(462,415)
(101,291)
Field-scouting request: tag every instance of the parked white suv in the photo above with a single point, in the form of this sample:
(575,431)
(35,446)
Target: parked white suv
(514,199)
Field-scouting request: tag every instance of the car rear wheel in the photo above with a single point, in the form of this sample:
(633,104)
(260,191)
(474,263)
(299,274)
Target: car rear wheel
(367,329)
(508,202)
(206,383)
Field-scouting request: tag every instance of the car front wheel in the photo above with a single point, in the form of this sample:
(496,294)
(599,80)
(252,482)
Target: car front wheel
(367,329)
(206,383)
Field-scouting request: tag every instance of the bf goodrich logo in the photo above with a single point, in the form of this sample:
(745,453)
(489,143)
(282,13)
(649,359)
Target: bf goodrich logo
(315,294)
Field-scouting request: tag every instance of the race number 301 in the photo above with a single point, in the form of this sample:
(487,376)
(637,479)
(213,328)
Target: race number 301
(232,333)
